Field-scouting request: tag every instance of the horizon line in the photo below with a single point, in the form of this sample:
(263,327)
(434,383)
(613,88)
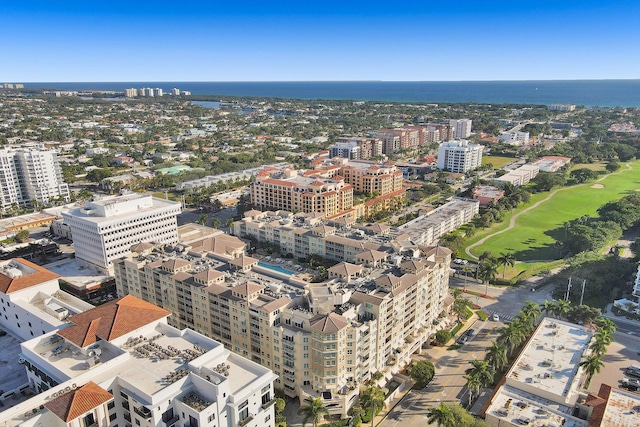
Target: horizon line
(327,81)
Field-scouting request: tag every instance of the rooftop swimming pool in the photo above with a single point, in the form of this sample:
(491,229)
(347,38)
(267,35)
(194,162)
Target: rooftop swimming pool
(276,268)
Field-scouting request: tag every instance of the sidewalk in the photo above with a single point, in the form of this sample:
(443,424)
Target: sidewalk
(395,402)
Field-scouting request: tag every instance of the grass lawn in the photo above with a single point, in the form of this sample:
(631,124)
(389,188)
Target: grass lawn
(535,232)
(598,167)
(497,161)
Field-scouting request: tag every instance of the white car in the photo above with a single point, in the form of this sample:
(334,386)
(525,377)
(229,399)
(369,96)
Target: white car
(495,317)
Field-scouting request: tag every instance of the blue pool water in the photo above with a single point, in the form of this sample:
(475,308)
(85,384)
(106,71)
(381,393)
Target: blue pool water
(276,268)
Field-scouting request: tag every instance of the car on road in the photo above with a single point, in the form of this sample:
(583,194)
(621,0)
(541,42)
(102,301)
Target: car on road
(495,317)
(463,339)
(523,421)
(469,332)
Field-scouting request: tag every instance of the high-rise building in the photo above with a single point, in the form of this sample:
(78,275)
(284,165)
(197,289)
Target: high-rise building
(348,150)
(369,147)
(287,190)
(459,156)
(159,91)
(30,174)
(394,140)
(105,229)
(131,92)
(461,128)
(175,91)
(321,339)
(122,364)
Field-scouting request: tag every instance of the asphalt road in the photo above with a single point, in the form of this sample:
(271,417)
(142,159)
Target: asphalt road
(448,385)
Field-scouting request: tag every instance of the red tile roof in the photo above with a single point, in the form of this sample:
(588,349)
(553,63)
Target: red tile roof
(78,402)
(111,320)
(10,284)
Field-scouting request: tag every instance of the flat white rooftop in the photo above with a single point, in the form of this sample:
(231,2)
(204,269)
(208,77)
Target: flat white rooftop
(513,404)
(550,361)
(78,275)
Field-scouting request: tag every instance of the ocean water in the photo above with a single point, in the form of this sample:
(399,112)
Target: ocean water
(605,93)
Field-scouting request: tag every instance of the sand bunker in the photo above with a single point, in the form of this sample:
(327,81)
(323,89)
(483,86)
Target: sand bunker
(599,186)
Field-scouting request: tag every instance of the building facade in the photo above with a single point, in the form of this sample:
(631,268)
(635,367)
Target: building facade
(348,150)
(105,229)
(285,189)
(319,338)
(30,174)
(461,128)
(459,156)
(122,364)
(31,300)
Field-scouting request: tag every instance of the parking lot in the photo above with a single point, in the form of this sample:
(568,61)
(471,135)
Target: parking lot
(622,353)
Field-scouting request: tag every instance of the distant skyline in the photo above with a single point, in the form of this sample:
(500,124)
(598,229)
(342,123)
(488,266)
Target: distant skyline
(189,40)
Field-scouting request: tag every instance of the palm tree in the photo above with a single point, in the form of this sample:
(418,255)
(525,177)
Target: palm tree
(373,399)
(497,355)
(215,222)
(442,415)
(591,364)
(600,343)
(512,335)
(203,218)
(466,269)
(605,324)
(487,271)
(506,259)
(460,307)
(473,385)
(562,308)
(312,411)
(531,311)
(548,307)
(483,371)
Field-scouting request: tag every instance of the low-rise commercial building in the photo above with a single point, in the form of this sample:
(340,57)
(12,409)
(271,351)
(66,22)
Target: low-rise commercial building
(519,177)
(427,229)
(487,193)
(545,381)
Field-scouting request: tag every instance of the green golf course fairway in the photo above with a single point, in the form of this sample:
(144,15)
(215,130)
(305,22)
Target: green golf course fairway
(532,238)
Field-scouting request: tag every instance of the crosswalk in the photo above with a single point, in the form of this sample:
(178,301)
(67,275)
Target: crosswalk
(503,317)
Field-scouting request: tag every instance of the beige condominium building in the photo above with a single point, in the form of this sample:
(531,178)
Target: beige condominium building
(383,181)
(286,189)
(375,310)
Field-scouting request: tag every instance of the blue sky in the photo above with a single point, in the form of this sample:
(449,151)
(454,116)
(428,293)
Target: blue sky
(189,40)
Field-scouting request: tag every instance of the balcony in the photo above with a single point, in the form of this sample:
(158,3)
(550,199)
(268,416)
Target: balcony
(143,412)
(172,421)
(244,422)
(268,404)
